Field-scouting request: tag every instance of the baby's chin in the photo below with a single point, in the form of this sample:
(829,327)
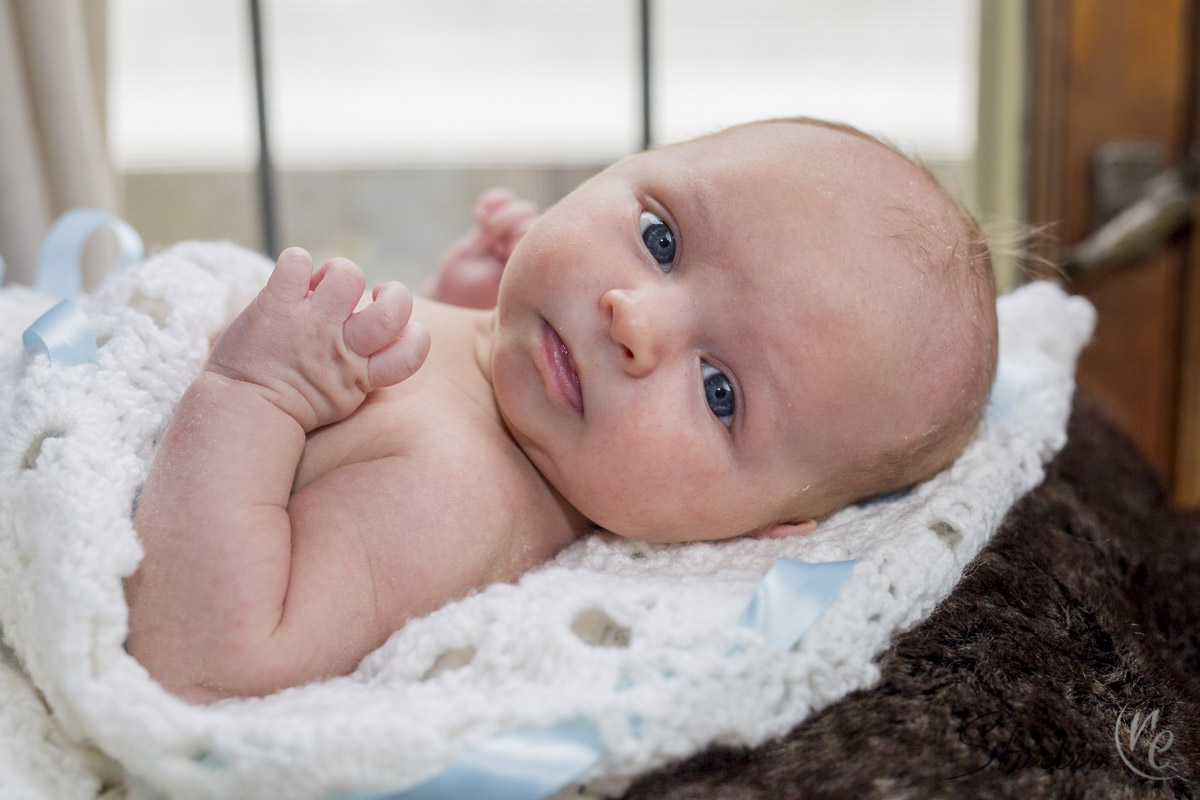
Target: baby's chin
(662,525)
(675,532)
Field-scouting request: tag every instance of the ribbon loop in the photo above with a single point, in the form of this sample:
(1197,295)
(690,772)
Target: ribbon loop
(58,269)
(64,334)
(790,598)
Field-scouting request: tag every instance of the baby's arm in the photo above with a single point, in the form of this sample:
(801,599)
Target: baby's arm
(470,271)
(210,610)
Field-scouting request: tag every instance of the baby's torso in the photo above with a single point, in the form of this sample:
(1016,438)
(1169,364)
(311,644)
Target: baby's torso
(445,495)
(447,397)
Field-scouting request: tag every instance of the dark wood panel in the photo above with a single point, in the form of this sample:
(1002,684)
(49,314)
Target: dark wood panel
(1187,450)
(1112,70)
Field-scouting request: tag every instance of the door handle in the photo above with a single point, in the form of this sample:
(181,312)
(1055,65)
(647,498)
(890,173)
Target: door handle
(1163,206)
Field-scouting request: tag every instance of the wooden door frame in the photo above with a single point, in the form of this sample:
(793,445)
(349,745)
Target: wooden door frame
(1079,51)
(1187,456)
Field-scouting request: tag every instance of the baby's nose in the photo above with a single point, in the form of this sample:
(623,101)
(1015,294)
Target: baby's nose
(635,324)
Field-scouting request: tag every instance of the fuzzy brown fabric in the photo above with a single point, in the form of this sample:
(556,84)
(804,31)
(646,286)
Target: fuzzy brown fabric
(1084,610)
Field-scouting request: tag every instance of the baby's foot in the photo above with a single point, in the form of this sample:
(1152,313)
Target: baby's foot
(303,347)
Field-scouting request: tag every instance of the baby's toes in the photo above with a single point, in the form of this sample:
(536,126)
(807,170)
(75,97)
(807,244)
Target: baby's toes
(381,322)
(337,287)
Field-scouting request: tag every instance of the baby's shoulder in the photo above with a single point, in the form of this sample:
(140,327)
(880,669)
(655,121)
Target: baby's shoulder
(444,482)
(403,423)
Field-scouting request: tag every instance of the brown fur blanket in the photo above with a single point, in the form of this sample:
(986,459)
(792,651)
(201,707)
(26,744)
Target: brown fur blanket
(1066,663)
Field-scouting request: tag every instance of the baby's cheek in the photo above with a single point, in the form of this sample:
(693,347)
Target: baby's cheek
(652,448)
(661,473)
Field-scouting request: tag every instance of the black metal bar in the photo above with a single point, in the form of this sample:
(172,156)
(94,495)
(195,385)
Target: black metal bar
(266,173)
(645,34)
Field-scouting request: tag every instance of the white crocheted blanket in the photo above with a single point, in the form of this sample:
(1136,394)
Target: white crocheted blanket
(610,631)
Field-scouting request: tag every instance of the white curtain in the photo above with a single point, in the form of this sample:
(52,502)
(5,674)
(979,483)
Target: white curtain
(53,154)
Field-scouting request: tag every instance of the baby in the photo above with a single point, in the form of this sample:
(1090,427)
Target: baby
(733,336)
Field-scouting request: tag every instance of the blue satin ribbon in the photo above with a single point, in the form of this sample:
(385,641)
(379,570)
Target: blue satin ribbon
(790,598)
(63,333)
(58,271)
(526,764)
(532,763)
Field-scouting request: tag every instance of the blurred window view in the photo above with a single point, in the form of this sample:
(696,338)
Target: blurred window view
(387,117)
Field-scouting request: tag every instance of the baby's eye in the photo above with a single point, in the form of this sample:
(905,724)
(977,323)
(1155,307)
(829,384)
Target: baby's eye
(659,240)
(718,393)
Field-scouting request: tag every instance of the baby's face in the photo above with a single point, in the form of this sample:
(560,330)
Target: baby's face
(694,343)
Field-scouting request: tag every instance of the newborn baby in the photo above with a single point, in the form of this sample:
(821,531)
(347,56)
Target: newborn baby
(733,336)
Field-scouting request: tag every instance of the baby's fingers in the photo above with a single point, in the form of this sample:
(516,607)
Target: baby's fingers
(490,200)
(400,359)
(381,321)
(290,279)
(513,217)
(336,288)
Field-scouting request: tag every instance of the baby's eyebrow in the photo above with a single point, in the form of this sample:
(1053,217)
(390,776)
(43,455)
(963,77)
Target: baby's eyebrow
(694,196)
(766,379)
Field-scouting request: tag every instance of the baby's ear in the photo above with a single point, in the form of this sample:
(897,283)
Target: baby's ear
(785,529)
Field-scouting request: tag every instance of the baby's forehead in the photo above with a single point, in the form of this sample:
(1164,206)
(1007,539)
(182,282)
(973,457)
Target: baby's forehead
(830,206)
(822,157)
(875,186)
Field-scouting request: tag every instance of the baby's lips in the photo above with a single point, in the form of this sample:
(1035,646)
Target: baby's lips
(560,368)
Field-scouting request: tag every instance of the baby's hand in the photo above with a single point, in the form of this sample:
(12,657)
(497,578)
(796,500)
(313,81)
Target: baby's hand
(301,345)
(469,274)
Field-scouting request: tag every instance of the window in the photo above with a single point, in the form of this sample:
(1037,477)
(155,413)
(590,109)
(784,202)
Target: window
(388,117)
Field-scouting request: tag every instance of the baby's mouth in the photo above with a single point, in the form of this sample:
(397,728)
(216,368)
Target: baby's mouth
(561,375)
